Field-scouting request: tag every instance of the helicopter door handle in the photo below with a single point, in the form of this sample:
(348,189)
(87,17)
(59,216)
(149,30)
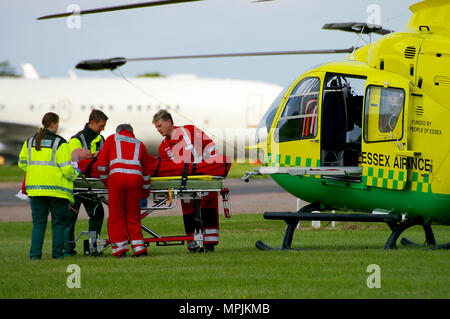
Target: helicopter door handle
(315,140)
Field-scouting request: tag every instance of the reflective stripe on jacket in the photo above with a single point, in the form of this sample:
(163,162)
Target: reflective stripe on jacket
(49,171)
(188,144)
(81,140)
(123,153)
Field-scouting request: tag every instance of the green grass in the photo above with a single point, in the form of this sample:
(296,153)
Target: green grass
(11,173)
(331,264)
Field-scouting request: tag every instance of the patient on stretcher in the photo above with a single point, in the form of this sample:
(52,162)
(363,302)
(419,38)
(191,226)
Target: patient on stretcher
(166,167)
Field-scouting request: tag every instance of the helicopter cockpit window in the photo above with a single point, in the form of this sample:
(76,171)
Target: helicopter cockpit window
(299,117)
(383,114)
(266,121)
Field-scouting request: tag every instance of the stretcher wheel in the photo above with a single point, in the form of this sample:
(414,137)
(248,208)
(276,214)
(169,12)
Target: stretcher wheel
(86,247)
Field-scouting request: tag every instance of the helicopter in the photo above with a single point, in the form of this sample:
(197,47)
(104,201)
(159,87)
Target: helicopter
(367,134)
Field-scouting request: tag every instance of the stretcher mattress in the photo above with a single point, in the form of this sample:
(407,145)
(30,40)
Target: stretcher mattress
(203,182)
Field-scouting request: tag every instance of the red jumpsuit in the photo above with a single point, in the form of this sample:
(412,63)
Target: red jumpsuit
(124,168)
(188,144)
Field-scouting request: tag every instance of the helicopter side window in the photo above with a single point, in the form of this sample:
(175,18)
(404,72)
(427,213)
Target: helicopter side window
(383,113)
(299,117)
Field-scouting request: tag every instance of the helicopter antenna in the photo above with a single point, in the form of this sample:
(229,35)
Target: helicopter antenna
(359,28)
(360,37)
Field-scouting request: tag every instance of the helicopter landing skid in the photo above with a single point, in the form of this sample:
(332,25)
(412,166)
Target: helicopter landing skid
(429,240)
(407,242)
(263,246)
(395,222)
(397,229)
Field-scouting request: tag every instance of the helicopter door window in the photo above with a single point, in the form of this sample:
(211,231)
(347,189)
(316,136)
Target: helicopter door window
(383,114)
(299,118)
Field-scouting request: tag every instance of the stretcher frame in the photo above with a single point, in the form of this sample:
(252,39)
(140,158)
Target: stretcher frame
(165,193)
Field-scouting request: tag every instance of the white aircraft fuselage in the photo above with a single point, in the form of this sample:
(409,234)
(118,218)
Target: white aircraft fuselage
(219,106)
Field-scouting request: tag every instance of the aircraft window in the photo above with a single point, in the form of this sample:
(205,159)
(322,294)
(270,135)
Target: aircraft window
(130,107)
(111,107)
(266,121)
(149,107)
(299,117)
(83,107)
(382,111)
(31,107)
(139,107)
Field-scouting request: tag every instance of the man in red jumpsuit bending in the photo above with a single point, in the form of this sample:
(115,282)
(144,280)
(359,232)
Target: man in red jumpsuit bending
(188,144)
(124,168)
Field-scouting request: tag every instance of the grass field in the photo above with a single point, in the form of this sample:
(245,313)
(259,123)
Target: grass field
(332,264)
(10,173)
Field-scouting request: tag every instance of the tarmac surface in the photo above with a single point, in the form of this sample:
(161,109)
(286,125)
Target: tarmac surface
(255,197)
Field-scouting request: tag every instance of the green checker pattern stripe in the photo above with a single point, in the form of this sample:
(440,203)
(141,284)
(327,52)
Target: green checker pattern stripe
(385,178)
(49,187)
(420,182)
(291,161)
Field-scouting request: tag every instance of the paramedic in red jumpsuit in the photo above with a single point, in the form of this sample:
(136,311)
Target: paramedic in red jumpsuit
(188,144)
(124,168)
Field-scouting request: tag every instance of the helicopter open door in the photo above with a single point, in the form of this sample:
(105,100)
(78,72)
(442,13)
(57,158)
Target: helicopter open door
(384,156)
(341,116)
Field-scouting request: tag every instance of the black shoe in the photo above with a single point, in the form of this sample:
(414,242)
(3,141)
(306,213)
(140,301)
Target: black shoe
(123,255)
(209,248)
(196,250)
(144,254)
(70,253)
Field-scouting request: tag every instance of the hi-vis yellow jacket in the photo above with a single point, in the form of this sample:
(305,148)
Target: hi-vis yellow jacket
(87,139)
(49,172)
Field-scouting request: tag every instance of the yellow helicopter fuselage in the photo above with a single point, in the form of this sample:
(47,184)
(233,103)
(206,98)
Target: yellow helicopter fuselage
(385,109)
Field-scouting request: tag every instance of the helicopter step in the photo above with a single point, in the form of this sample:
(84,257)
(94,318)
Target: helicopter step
(301,171)
(395,223)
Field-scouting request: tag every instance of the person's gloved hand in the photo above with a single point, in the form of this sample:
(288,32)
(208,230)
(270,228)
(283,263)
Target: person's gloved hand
(80,154)
(143,203)
(78,170)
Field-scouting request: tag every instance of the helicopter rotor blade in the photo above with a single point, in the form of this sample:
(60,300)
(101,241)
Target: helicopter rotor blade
(357,27)
(116,8)
(100,64)
(243,54)
(104,64)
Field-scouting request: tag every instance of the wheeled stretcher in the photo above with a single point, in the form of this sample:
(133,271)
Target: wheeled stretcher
(164,194)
